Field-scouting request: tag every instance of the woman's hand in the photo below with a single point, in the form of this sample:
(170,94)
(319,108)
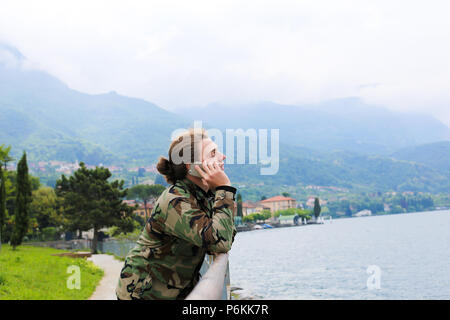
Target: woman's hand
(213,175)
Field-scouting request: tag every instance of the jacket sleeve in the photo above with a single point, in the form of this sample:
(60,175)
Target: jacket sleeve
(187,221)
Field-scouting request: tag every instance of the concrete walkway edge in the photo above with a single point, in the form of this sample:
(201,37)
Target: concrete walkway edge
(111,266)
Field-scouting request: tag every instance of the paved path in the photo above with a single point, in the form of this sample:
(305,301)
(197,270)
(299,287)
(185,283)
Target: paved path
(107,286)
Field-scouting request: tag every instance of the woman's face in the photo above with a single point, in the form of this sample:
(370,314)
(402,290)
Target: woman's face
(210,153)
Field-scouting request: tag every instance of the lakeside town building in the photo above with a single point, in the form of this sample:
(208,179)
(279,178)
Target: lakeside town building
(279,203)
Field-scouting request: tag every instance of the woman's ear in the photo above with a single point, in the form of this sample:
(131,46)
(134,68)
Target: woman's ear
(188,166)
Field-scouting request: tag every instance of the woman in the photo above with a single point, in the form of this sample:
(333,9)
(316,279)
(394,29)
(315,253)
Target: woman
(193,216)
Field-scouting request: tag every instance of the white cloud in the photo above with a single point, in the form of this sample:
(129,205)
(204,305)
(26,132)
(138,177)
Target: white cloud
(178,53)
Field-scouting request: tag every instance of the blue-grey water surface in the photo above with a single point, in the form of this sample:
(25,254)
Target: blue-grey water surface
(330,261)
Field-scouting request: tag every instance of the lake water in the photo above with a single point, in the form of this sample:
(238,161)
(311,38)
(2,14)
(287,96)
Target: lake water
(409,253)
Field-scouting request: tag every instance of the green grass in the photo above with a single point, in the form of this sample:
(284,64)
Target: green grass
(32,273)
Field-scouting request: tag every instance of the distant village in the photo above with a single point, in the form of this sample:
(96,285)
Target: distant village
(272,204)
(69,167)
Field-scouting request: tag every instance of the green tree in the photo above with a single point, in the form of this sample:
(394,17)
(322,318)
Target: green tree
(44,207)
(4,155)
(285,194)
(239,205)
(266,214)
(10,191)
(145,193)
(23,199)
(4,159)
(45,211)
(257,216)
(90,202)
(317,208)
(2,202)
(292,212)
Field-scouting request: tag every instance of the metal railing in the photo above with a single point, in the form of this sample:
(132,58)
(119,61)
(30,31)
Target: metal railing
(215,283)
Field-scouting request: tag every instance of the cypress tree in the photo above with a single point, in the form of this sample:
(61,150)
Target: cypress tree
(23,199)
(2,201)
(239,205)
(317,208)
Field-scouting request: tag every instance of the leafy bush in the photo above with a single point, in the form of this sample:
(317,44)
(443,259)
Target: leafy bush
(257,216)
(50,234)
(292,212)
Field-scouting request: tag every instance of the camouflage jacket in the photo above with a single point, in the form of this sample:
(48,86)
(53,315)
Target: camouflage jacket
(186,222)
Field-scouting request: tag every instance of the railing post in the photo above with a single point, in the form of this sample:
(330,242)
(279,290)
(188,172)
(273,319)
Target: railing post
(211,285)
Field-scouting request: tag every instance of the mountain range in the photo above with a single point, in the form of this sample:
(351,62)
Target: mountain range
(343,142)
(341,124)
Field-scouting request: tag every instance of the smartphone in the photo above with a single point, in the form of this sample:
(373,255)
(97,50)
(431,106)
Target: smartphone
(194,172)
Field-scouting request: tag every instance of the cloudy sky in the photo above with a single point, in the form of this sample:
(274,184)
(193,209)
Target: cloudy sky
(191,53)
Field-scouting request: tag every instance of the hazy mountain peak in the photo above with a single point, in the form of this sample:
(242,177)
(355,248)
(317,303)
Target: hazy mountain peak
(10,56)
(6,48)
